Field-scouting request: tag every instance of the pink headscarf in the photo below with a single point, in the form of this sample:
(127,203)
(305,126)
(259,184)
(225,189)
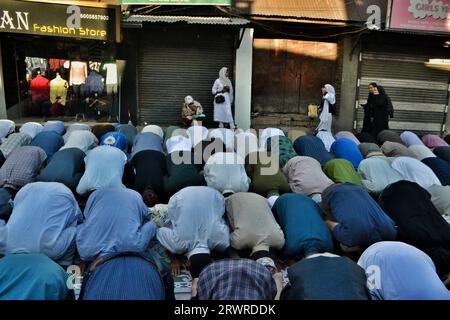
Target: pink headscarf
(433,141)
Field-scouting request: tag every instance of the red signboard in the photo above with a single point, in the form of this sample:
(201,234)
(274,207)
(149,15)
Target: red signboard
(423,15)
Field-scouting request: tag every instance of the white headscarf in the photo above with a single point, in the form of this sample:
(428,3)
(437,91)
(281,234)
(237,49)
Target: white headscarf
(6,127)
(154,129)
(331,94)
(325,116)
(188,100)
(226,81)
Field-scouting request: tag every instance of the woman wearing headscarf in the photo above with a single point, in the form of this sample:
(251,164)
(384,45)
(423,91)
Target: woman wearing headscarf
(236,279)
(376,174)
(66,167)
(115,139)
(75,127)
(154,129)
(347,135)
(441,169)
(123,277)
(327,139)
(197,134)
(44,220)
(31,128)
(394,149)
(347,149)
(365,137)
(12,142)
(265,175)
(226,135)
(205,149)
(196,226)
(225,172)
(245,143)
(311,146)
(325,276)
(22,167)
(6,128)
(97,174)
(282,147)
(49,141)
(302,222)
(55,126)
(266,134)
(326,117)
(410,139)
(252,225)
(116,221)
(146,141)
(380,107)
(99,130)
(81,139)
(223,91)
(418,221)
(433,141)
(368,112)
(305,176)
(389,135)
(342,171)
(354,218)
(443,153)
(415,171)
(369,150)
(440,197)
(129,131)
(421,152)
(32,277)
(398,271)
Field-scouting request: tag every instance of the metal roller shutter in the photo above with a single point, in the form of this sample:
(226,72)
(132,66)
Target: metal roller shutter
(419,94)
(175,62)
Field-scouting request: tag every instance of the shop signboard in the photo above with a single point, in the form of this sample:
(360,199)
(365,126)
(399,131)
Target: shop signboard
(60,20)
(420,15)
(177,2)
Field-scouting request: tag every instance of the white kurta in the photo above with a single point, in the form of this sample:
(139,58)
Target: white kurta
(222,111)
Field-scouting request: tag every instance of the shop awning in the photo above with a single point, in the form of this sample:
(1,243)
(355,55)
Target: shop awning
(187,19)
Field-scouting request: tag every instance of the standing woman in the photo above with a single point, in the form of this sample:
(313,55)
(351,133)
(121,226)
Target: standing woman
(328,101)
(382,108)
(368,112)
(223,98)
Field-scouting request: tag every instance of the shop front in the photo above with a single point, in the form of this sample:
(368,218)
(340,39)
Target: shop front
(59,60)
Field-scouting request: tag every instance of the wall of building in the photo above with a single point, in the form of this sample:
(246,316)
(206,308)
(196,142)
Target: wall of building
(243,86)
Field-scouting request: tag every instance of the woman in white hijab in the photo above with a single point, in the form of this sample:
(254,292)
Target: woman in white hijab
(329,98)
(222,110)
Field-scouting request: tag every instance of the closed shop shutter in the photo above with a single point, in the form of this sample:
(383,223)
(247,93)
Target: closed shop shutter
(178,61)
(419,94)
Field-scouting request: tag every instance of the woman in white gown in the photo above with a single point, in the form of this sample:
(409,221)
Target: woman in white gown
(222,110)
(326,117)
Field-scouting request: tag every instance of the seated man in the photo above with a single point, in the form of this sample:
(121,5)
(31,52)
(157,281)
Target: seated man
(31,128)
(347,149)
(116,221)
(325,276)
(225,172)
(55,126)
(376,174)
(305,176)
(97,174)
(415,171)
(146,141)
(44,220)
(302,222)
(265,175)
(236,279)
(22,167)
(253,225)
(150,168)
(196,226)
(311,146)
(81,139)
(122,277)
(418,222)
(49,141)
(342,171)
(66,166)
(282,147)
(441,169)
(11,143)
(354,218)
(32,277)
(410,139)
(398,271)
(395,149)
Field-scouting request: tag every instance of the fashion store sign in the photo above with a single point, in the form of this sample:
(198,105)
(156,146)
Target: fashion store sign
(423,15)
(56,20)
(185,2)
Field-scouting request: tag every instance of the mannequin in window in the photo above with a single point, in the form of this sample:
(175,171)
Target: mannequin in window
(39,90)
(95,85)
(78,75)
(111,89)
